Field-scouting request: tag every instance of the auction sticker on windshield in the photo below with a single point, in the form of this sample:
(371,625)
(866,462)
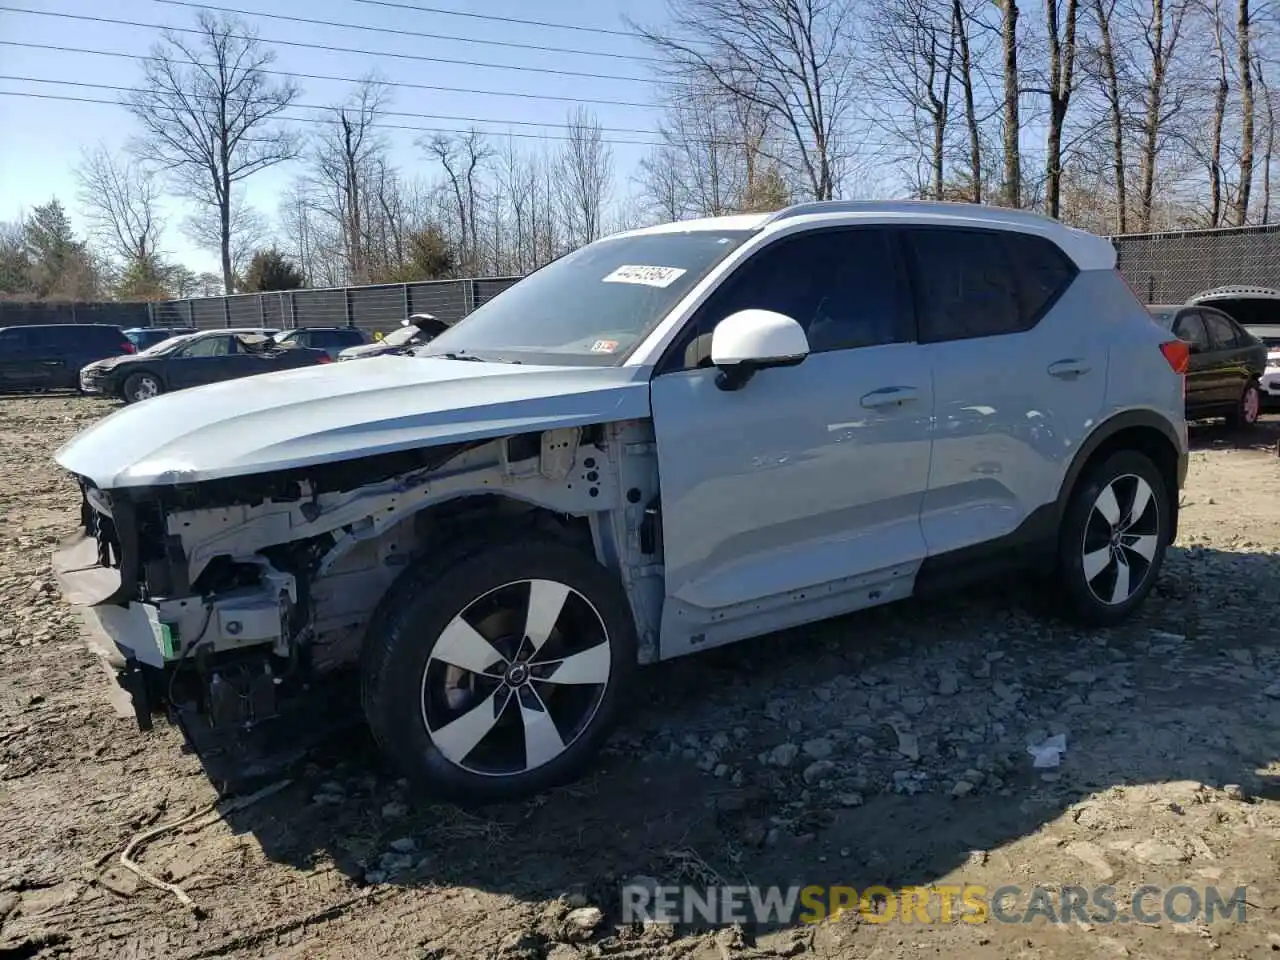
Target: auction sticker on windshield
(648,276)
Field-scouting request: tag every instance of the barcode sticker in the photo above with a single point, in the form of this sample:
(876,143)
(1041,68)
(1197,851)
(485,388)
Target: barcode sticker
(647,276)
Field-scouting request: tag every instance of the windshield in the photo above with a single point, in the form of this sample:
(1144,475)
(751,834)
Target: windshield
(591,306)
(398,338)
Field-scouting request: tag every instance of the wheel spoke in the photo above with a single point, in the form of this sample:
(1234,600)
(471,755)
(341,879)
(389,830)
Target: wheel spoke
(1144,546)
(459,737)
(542,741)
(546,600)
(1107,505)
(1096,562)
(589,666)
(462,646)
(1120,592)
(1141,500)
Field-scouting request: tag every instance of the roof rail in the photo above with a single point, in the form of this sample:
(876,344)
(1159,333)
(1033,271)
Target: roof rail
(907,207)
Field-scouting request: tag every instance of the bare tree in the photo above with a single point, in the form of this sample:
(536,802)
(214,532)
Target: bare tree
(121,202)
(1244,63)
(299,233)
(1269,110)
(1160,28)
(464,160)
(914,49)
(1109,77)
(209,113)
(662,182)
(1221,92)
(345,158)
(1061,30)
(585,177)
(965,72)
(247,232)
(1012,191)
(790,57)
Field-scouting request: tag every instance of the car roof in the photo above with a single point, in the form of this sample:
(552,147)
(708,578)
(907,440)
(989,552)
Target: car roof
(1087,250)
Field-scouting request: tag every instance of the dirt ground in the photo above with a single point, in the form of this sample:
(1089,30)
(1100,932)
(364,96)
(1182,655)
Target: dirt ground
(884,748)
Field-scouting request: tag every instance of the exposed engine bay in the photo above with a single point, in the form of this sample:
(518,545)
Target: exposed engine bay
(227,599)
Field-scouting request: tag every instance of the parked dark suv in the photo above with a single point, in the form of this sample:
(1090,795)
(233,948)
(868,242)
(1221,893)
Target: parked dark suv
(49,356)
(333,340)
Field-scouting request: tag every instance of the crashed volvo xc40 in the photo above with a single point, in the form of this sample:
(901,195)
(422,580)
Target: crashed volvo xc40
(668,440)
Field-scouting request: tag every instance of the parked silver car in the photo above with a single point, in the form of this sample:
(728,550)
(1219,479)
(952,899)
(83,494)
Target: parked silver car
(668,440)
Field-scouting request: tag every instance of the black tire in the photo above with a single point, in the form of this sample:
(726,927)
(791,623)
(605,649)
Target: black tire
(137,382)
(1081,529)
(408,627)
(1248,408)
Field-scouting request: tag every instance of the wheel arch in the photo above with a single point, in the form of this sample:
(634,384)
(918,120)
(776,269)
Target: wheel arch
(1146,431)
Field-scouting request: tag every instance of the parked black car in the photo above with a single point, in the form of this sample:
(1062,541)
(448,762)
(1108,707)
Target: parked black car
(48,356)
(145,337)
(1225,365)
(190,361)
(415,330)
(333,340)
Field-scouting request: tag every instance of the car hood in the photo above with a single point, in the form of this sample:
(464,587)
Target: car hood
(367,350)
(109,363)
(295,418)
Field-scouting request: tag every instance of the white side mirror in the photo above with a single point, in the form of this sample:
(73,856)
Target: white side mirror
(752,340)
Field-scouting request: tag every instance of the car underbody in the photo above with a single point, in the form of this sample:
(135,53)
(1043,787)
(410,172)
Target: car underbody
(252,592)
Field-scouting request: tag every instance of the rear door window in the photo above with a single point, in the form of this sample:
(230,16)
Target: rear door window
(984,283)
(1221,330)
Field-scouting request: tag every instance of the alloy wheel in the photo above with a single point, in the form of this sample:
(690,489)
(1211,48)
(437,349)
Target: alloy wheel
(146,388)
(515,678)
(1251,405)
(1121,538)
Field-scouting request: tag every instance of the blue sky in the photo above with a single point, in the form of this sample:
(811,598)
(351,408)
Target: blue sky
(43,139)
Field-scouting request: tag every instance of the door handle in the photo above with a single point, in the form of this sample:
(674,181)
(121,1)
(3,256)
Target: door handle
(889,397)
(1066,369)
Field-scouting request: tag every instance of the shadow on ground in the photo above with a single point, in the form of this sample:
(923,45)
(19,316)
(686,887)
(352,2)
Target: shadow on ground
(1218,435)
(1162,699)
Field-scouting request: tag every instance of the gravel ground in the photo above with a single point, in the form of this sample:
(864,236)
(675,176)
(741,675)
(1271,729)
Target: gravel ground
(883,748)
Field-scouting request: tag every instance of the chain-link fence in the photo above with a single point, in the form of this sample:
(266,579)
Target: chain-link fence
(379,307)
(1174,267)
(1161,267)
(16,313)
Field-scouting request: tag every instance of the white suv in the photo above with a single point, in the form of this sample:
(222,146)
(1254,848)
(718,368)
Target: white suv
(668,440)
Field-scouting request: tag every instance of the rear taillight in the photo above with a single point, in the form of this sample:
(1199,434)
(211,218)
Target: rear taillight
(325,359)
(128,347)
(1178,354)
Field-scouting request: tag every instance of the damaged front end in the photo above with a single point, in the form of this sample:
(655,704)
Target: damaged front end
(232,602)
(200,598)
